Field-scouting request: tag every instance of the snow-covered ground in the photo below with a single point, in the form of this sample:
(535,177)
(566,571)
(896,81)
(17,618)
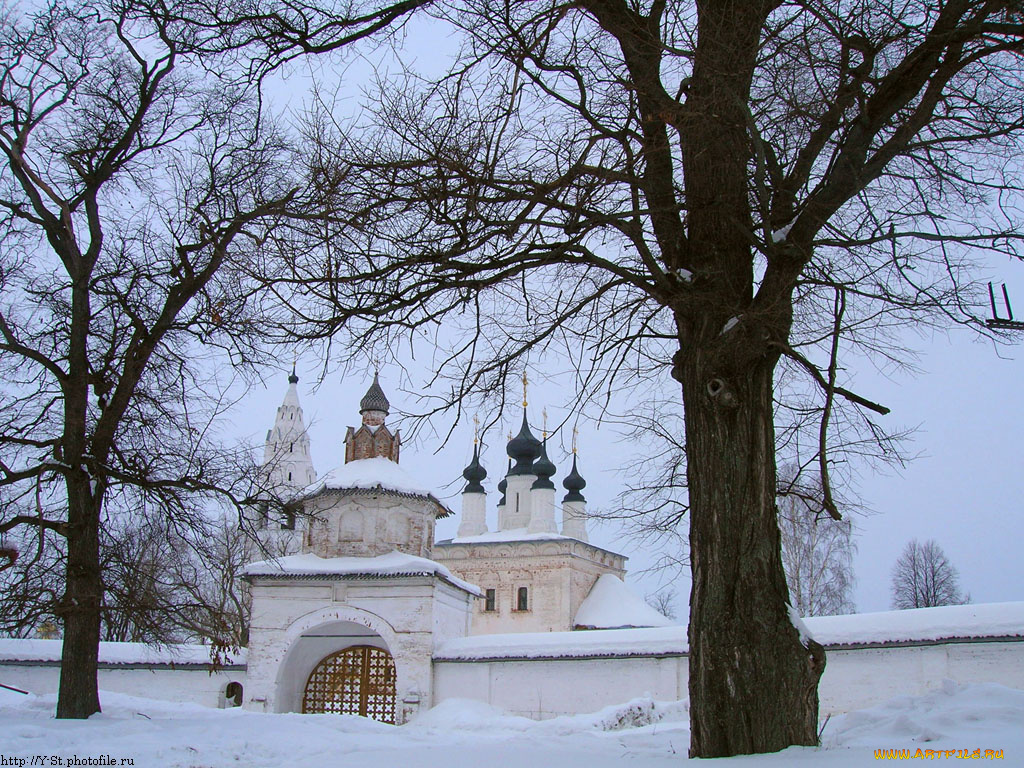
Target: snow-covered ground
(465,733)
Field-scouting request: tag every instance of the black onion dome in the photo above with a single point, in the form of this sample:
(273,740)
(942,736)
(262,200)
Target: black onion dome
(524,448)
(474,474)
(293,379)
(374,399)
(574,483)
(543,469)
(503,485)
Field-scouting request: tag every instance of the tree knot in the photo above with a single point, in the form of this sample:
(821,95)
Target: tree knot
(720,393)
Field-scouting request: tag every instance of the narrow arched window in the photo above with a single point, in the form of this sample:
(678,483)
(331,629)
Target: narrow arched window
(522,599)
(233,694)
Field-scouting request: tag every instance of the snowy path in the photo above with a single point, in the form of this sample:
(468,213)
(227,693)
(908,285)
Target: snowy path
(463,733)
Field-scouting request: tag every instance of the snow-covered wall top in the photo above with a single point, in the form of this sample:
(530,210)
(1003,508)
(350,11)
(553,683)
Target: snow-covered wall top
(920,624)
(392,564)
(955,622)
(511,534)
(14,650)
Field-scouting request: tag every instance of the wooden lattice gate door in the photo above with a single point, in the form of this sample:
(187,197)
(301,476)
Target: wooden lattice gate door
(356,681)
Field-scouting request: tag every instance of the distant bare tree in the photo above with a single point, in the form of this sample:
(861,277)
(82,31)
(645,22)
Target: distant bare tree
(663,601)
(138,559)
(162,583)
(817,553)
(923,577)
(213,603)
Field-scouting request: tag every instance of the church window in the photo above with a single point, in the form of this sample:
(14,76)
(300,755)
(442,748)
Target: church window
(517,502)
(490,600)
(289,475)
(291,447)
(522,599)
(288,521)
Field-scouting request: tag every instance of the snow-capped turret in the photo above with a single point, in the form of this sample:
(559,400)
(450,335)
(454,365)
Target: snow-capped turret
(286,456)
(474,498)
(574,506)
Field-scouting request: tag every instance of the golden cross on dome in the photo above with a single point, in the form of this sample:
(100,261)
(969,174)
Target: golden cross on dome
(575,435)
(476,430)
(544,429)
(525,381)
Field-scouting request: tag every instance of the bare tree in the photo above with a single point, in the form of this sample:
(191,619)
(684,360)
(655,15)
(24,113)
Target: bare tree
(817,555)
(134,193)
(137,555)
(663,601)
(923,577)
(695,190)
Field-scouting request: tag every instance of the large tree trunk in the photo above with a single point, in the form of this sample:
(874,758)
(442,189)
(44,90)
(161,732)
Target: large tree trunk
(80,608)
(753,685)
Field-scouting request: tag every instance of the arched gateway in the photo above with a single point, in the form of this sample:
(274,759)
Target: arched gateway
(359,680)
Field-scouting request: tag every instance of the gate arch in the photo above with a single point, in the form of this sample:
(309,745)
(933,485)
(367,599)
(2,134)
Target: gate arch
(358,680)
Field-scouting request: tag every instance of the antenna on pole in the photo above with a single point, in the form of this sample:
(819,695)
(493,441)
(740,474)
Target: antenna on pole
(1006,323)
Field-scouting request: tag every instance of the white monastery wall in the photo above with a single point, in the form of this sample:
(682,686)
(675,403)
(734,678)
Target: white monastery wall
(194,685)
(544,688)
(865,677)
(854,678)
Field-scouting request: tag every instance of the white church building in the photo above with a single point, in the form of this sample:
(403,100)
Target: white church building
(350,617)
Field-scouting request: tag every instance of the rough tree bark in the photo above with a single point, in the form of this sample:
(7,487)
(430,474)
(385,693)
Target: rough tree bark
(753,685)
(78,695)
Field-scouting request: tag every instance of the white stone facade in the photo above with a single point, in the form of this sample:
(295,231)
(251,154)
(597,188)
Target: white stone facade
(366,523)
(557,573)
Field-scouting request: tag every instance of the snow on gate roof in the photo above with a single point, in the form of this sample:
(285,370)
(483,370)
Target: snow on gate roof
(394,563)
